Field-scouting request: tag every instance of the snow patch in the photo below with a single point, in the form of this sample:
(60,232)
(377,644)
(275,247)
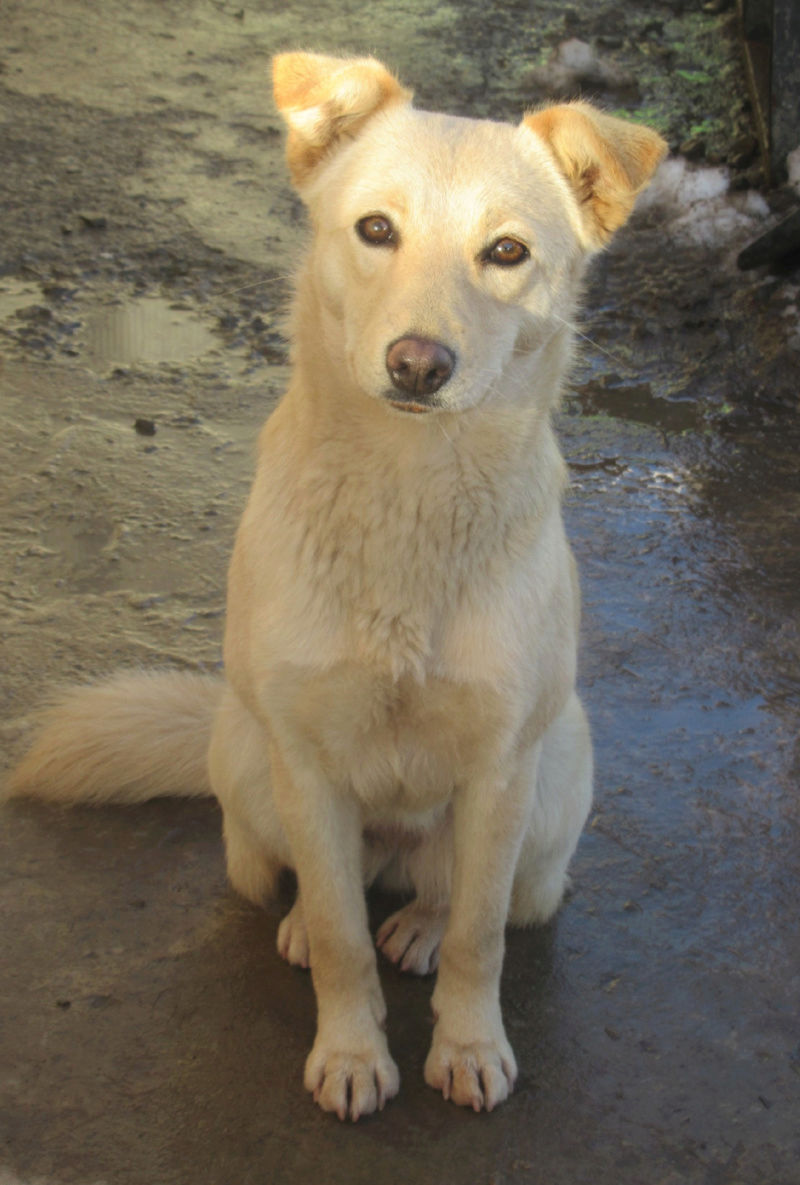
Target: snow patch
(793,168)
(576,55)
(700,207)
(573,66)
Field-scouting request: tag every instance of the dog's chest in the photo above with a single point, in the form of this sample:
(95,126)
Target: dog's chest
(381,559)
(398,745)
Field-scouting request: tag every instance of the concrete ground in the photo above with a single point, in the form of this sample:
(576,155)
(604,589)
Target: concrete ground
(150,1033)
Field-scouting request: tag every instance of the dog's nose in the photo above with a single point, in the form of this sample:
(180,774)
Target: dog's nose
(418,367)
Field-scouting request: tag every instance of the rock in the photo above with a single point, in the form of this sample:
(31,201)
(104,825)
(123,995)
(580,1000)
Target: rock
(779,241)
(742,152)
(694,148)
(144,427)
(38,314)
(793,168)
(93,220)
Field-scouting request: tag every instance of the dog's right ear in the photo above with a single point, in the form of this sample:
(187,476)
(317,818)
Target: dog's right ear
(325,99)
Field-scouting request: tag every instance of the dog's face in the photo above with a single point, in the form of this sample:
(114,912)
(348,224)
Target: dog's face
(447,252)
(443,247)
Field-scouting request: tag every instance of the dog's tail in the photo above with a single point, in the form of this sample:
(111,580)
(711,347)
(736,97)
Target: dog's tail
(128,738)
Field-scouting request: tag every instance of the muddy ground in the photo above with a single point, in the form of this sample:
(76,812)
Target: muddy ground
(151,1035)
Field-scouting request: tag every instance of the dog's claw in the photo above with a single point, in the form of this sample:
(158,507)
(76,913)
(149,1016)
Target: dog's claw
(352,1085)
(478,1075)
(411,938)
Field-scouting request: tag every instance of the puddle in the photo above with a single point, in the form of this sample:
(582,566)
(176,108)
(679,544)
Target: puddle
(16,295)
(79,541)
(147,330)
(638,402)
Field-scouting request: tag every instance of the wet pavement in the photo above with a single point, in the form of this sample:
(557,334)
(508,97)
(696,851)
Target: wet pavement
(150,1033)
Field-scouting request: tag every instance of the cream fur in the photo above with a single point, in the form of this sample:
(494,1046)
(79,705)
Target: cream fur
(402,601)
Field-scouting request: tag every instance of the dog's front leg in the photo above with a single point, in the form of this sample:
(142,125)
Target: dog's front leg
(470,1059)
(349,1069)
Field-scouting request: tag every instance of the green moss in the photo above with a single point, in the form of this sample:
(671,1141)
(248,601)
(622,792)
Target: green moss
(651,114)
(689,76)
(687,67)
(694,75)
(703,128)
(691,80)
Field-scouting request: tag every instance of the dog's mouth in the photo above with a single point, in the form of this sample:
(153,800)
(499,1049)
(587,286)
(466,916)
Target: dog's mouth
(415,409)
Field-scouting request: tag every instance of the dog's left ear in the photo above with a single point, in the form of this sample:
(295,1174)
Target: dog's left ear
(324,99)
(606,160)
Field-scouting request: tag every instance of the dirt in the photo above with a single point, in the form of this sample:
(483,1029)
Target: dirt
(147,237)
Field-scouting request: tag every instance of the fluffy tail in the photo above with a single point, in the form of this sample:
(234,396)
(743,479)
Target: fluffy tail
(126,739)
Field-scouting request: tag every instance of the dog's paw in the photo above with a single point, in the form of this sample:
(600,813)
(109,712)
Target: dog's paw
(478,1075)
(412,937)
(293,937)
(351,1083)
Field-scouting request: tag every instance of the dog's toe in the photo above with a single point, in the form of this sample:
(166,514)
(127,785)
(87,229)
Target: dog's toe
(352,1084)
(411,937)
(478,1075)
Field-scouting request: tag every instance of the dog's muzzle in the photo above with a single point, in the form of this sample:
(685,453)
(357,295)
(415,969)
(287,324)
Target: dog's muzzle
(418,368)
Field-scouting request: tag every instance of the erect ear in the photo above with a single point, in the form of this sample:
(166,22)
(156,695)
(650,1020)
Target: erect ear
(606,160)
(324,99)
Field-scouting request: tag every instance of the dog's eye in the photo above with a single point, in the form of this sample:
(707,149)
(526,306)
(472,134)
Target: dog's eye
(507,253)
(376,230)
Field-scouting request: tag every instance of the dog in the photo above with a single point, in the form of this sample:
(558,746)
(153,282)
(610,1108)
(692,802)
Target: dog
(399,698)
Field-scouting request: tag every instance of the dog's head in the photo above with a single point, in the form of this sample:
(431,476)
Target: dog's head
(448,252)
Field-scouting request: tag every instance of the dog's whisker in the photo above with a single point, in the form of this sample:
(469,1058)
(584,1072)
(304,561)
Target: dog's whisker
(244,288)
(608,353)
(287,276)
(445,434)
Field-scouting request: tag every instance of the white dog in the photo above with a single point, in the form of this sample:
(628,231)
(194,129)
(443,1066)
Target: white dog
(403,609)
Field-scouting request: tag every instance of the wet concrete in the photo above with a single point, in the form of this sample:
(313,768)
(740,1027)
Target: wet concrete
(150,1032)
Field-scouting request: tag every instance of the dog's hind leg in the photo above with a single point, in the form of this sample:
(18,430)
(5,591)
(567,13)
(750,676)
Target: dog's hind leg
(256,848)
(563,798)
(293,937)
(253,869)
(411,936)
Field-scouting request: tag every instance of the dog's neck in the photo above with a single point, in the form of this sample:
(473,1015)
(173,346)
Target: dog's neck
(397,520)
